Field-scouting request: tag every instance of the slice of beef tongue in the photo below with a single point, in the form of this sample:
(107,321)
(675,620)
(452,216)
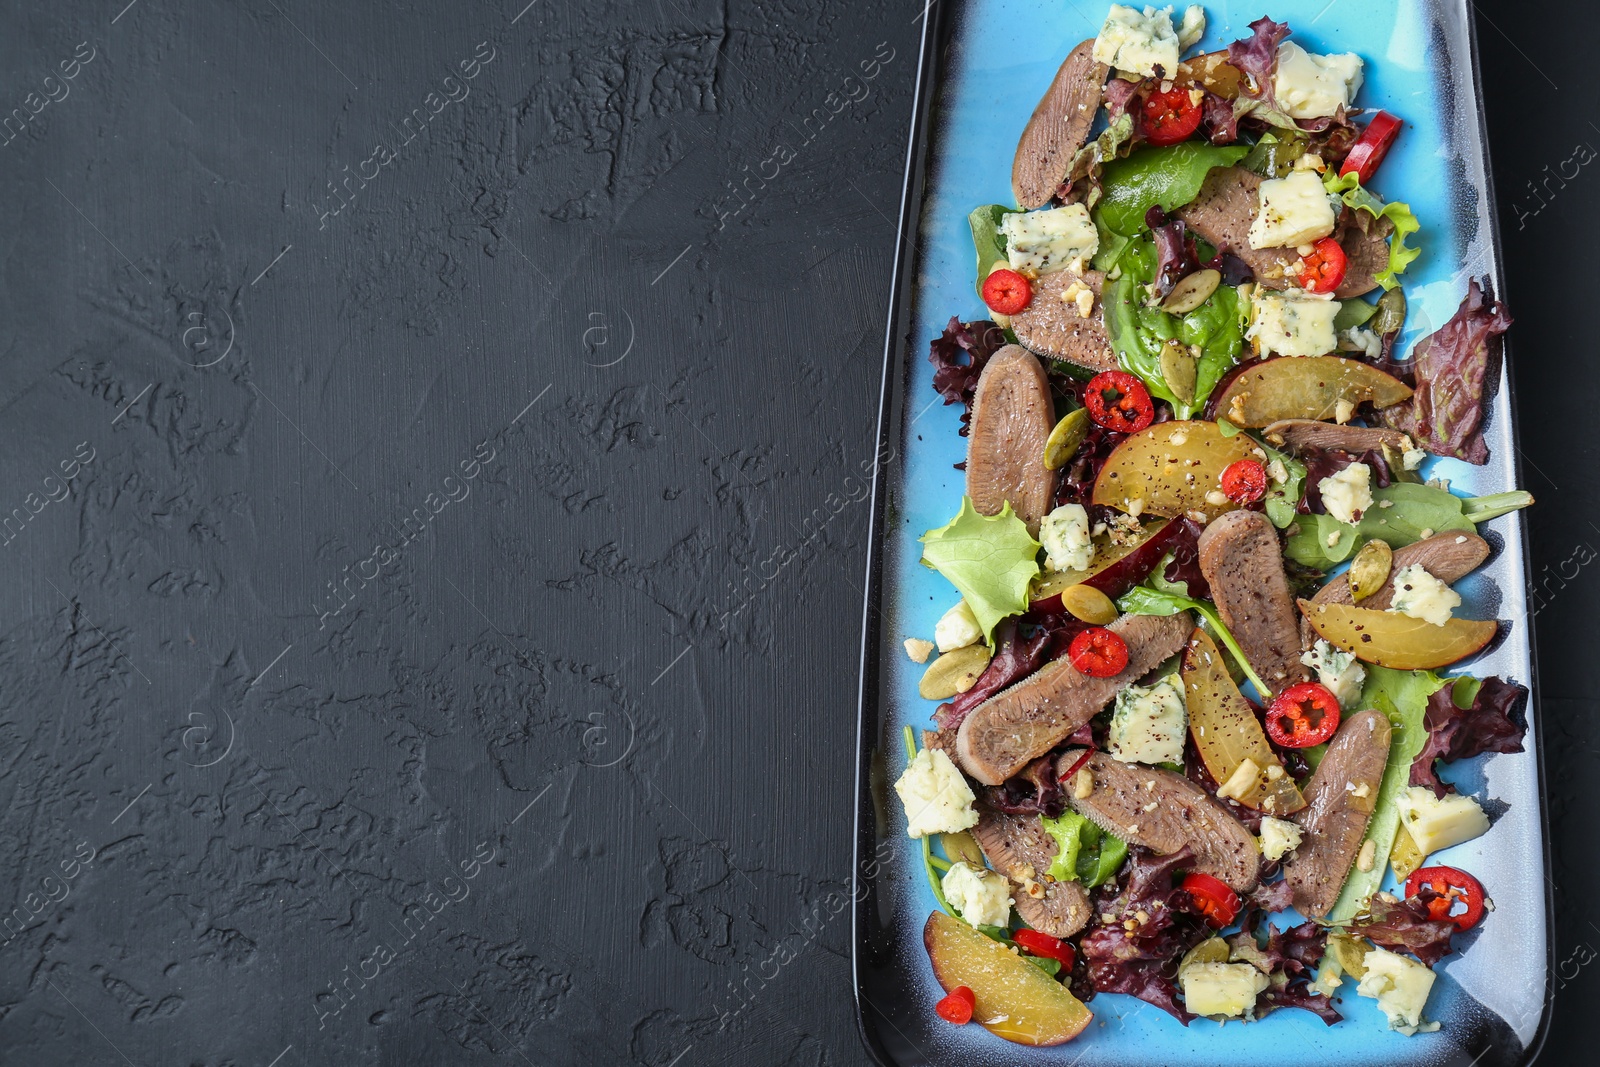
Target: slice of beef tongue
(1057,328)
(1339,801)
(1059,127)
(1243,563)
(1001,735)
(1012,416)
(1163,812)
(1298,434)
(1019,847)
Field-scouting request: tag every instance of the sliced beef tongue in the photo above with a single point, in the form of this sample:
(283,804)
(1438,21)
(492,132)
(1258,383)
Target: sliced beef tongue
(1012,416)
(1300,434)
(1163,812)
(1339,801)
(1059,127)
(1243,563)
(1058,329)
(1021,723)
(1019,847)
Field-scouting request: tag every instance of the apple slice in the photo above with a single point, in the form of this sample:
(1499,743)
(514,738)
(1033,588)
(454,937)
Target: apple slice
(1390,639)
(1305,387)
(1172,468)
(1014,999)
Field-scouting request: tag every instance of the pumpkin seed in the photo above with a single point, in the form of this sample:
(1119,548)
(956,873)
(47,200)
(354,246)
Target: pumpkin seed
(962,846)
(954,672)
(1089,604)
(1370,569)
(1179,368)
(1391,313)
(1191,292)
(1064,440)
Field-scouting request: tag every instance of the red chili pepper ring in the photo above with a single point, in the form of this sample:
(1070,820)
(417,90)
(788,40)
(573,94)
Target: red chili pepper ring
(1303,715)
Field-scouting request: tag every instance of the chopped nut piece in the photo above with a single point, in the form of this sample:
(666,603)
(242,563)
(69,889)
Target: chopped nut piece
(918,649)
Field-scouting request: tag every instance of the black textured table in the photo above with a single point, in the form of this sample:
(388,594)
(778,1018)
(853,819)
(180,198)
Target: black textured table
(433,519)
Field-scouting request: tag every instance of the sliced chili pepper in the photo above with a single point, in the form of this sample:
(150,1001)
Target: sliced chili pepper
(1303,715)
(1323,269)
(1006,291)
(1045,947)
(1212,896)
(1078,764)
(1371,146)
(957,1006)
(1098,652)
(1119,401)
(1453,887)
(1244,482)
(1171,116)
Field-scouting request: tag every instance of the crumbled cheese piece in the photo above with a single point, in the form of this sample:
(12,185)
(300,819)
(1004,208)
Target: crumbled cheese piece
(1279,837)
(1309,86)
(1347,494)
(1139,44)
(1400,985)
(982,896)
(1360,339)
(1149,724)
(1436,823)
(1422,596)
(1064,533)
(936,797)
(1277,471)
(1125,531)
(1343,411)
(1337,670)
(1191,29)
(1241,781)
(1221,989)
(1294,211)
(1293,323)
(1042,242)
(1412,458)
(918,649)
(957,628)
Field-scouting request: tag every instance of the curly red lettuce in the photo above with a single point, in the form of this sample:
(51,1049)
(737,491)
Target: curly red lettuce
(1489,724)
(1405,926)
(1257,56)
(958,356)
(1035,791)
(1017,655)
(1452,367)
(1143,961)
(1176,257)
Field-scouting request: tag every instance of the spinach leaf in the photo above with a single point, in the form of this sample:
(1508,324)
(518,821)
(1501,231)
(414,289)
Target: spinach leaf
(1353,313)
(1413,511)
(1137,333)
(987,239)
(1169,176)
(1145,600)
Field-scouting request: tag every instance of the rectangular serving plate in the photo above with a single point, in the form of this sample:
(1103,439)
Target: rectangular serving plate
(982,66)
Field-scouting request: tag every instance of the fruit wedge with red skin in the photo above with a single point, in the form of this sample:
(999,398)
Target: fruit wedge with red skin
(1014,999)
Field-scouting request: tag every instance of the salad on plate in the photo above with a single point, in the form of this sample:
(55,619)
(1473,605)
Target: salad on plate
(1189,703)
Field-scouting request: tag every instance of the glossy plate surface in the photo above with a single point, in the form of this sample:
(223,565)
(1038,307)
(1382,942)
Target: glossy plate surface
(984,65)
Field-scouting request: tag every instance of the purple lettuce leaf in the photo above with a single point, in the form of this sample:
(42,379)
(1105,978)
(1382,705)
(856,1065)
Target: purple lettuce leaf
(1016,656)
(1033,792)
(1175,250)
(1256,56)
(1143,961)
(1489,725)
(1452,368)
(1405,926)
(958,356)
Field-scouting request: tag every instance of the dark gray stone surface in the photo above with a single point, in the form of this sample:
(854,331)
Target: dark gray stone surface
(433,585)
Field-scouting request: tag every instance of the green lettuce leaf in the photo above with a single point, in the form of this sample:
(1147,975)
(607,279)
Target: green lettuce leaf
(1143,600)
(987,239)
(1084,852)
(1347,187)
(1169,176)
(1322,541)
(1137,332)
(1403,697)
(992,561)
(1283,497)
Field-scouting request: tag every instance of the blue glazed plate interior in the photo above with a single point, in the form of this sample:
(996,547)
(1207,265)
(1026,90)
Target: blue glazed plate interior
(1003,54)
